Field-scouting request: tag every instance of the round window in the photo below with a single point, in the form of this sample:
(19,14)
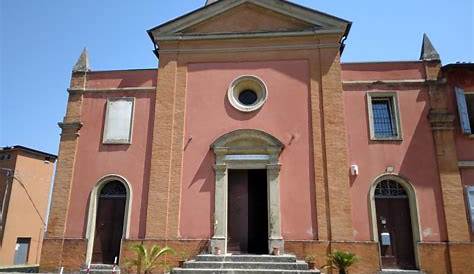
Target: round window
(247,93)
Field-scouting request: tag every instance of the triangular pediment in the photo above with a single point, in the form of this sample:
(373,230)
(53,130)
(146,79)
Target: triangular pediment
(248,17)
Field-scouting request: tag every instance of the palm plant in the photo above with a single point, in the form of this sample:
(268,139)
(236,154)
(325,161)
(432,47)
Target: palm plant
(341,260)
(145,260)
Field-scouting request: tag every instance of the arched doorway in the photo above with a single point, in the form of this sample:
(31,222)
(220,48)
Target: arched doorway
(109,222)
(393,203)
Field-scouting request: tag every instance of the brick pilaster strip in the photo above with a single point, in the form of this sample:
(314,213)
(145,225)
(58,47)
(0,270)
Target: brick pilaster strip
(335,145)
(67,155)
(319,157)
(442,123)
(161,161)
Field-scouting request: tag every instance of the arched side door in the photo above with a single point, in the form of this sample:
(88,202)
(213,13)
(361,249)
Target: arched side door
(394,226)
(109,223)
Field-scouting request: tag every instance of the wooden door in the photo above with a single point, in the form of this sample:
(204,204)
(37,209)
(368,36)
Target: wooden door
(237,219)
(394,227)
(109,223)
(247,226)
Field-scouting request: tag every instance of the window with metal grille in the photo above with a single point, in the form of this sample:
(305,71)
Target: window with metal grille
(383,118)
(390,189)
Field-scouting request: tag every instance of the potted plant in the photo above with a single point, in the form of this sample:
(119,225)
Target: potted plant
(145,260)
(341,260)
(183,257)
(309,259)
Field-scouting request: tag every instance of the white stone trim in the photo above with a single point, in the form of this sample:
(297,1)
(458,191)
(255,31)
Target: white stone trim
(388,82)
(414,212)
(249,82)
(250,49)
(466,164)
(395,107)
(100,90)
(237,143)
(214,36)
(92,213)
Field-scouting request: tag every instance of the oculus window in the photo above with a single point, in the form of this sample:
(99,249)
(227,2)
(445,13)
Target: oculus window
(384,117)
(118,121)
(247,93)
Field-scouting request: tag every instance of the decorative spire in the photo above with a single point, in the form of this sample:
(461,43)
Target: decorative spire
(82,64)
(208,2)
(428,52)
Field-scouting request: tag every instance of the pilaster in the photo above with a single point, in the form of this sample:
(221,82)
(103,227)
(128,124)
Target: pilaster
(442,124)
(70,128)
(338,211)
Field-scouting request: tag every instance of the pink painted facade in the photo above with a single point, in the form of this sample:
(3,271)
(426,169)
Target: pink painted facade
(96,160)
(413,158)
(285,114)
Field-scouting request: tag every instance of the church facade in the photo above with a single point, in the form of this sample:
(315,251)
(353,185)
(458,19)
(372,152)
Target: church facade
(251,137)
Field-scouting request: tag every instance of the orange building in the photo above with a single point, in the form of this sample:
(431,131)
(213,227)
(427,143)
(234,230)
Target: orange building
(25,176)
(251,137)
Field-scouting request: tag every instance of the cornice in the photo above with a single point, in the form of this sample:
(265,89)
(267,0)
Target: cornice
(99,90)
(250,49)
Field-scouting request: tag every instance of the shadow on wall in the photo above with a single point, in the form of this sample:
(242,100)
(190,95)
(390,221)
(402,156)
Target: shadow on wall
(204,176)
(419,165)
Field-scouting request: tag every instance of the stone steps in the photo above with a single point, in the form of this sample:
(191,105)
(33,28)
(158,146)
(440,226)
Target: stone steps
(400,271)
(244,264)
(246,258)
(100,269)
(247,265)
(241,271)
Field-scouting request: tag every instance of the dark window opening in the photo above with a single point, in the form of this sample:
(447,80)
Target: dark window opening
(248,97)
(383,118)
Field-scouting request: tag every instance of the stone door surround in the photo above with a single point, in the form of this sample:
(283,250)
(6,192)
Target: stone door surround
(247,149)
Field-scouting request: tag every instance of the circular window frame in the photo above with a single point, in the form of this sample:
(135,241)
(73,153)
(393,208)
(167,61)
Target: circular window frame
(247,82)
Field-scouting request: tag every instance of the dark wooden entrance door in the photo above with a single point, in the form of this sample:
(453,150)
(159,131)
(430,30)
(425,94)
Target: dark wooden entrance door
(109,223)
(394,226)
(247,226)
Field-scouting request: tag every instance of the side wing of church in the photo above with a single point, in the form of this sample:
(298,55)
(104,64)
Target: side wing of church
(251,137)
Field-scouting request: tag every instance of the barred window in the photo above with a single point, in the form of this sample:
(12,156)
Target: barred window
(384,125)
(384,118)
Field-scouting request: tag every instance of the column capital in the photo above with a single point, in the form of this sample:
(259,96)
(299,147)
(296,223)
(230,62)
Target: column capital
(274,168)
(220,168)
(70,128)
(441,120)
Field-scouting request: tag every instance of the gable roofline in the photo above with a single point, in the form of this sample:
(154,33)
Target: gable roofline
(208,11)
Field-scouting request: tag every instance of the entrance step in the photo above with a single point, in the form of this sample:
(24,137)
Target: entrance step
(400,271)
(100,269)
(246,258)
(244,264)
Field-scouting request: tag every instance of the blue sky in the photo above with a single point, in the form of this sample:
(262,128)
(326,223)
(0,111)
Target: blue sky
(41,40)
